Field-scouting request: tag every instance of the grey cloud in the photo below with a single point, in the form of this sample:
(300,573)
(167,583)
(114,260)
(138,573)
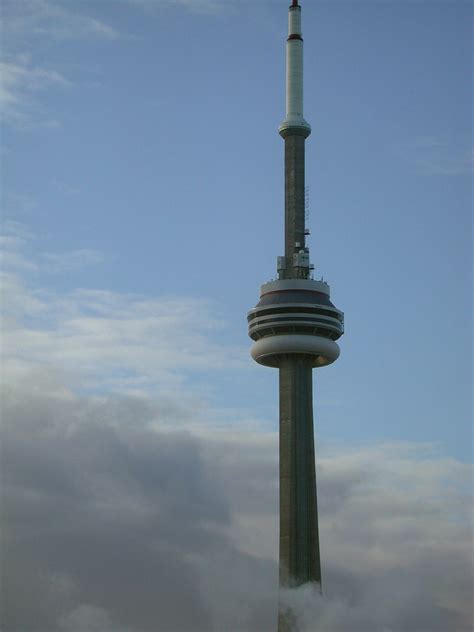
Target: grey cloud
(113,520)
(87,619)
(110,521)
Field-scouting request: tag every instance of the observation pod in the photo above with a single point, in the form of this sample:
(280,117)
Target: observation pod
(295,316)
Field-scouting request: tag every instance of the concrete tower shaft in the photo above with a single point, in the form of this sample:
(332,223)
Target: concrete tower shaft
(297,265)
(299,536)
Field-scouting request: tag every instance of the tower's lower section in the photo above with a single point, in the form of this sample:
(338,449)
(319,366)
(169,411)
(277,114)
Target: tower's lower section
(299,536)
(294,327)
(299,539)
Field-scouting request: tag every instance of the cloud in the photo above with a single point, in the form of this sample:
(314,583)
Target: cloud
(21,78)
(53,19)
(17,204)
(132,505)
(29,21)
(130,515)
(205,7)
(13,240)
(113,520)
(66,261)
(86,618)
(437,156)
(105,339)
(65,189)
(19,82)
(110,340)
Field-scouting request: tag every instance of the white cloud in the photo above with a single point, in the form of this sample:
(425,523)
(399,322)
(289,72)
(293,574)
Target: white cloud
(437,156)
(12,243)
(65,188)
(18,84)
(115,340)
(16,204)
(112,340)
(21,78)
(106,339)
(60,20)
(67,261)
(205,7)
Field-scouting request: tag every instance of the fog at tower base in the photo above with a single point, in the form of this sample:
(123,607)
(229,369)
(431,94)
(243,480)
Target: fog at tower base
(294,327)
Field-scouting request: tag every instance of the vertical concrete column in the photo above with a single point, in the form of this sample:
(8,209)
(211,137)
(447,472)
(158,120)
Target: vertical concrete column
(299,537)
(294,201)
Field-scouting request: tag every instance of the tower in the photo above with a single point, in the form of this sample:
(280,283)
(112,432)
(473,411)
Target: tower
(294,328)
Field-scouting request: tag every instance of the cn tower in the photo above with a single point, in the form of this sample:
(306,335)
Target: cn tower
(294,328)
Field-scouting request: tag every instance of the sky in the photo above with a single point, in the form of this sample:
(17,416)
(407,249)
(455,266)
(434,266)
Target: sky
(142,207)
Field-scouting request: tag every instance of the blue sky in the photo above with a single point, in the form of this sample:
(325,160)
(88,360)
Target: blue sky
(142,207)
(140,140)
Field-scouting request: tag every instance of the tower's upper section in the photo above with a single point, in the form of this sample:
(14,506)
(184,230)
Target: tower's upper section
(294,122)
(295,315)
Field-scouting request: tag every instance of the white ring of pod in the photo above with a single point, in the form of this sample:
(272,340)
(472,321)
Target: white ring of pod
(323,350)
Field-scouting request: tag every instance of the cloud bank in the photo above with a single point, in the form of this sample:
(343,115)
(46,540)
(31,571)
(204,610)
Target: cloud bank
(137,509)
(113,521)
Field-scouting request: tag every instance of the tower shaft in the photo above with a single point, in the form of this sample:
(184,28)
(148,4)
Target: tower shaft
(299,537)
(294,205)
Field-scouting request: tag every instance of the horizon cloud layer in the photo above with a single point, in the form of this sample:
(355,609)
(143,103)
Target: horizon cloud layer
(143,509)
